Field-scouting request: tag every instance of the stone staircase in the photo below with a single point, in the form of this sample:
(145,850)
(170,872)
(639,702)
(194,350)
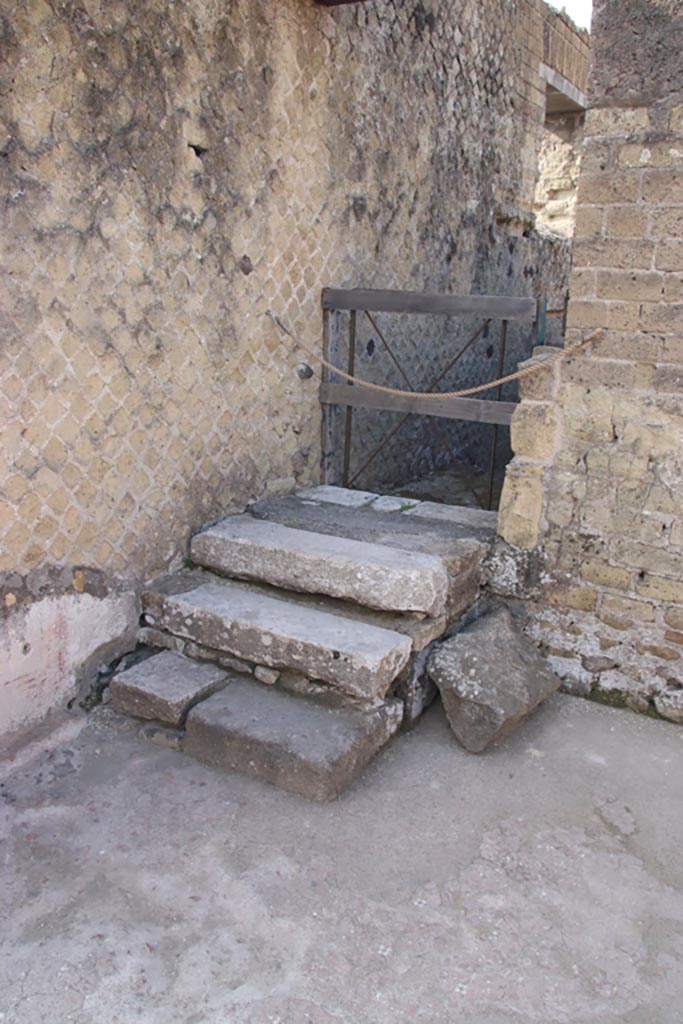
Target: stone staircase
(296,648)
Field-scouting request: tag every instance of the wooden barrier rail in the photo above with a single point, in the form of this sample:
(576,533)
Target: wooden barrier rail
(335,396)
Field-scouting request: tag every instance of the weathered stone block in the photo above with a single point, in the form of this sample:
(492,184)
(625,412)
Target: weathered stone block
(605,575)
(626,222)
(662,186)
(521,504)
(359,659)
(489,677)
(616,121)
(669,255)
(581,599)
(265,675)
(164,687)
(670,705)
(534,430)
(589,221)
(370,574)
(642,285)
(609,188)
(304,747)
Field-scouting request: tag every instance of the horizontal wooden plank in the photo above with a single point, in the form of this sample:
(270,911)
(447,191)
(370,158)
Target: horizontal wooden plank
(495,307)
(477,410)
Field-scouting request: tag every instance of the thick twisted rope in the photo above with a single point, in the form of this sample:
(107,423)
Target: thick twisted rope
(563,353)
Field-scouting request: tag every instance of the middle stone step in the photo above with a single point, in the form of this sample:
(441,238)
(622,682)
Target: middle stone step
(360,659)
(369,574)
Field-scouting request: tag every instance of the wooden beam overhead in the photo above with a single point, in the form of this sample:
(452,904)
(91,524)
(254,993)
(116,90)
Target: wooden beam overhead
(494,307)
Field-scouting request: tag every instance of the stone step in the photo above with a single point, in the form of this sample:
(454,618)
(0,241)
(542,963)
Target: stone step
(164,687)
(463,515)
(290,742)
(371,574)
(460,539)
(358,658)
(422,629)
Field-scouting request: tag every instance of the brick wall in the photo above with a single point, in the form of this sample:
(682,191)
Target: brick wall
(592,506)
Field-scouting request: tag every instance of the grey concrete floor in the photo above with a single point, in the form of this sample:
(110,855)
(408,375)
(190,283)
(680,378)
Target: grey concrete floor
(538,883)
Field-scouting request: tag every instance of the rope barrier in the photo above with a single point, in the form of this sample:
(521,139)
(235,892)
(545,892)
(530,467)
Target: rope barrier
(562,354)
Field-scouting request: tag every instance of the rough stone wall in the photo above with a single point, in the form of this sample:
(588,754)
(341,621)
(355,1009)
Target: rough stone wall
(169,171)
(558,178)
(592,506)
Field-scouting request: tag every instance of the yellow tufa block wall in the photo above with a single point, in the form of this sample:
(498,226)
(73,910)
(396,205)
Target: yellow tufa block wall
(598,507)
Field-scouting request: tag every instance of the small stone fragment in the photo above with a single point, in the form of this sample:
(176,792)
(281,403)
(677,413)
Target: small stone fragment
(490,677)
(266,675)
(670,705)
(157,638)
(393,503)
(163,735)
(193,650)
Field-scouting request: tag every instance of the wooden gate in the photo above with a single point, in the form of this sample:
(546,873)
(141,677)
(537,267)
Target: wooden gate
(336,396)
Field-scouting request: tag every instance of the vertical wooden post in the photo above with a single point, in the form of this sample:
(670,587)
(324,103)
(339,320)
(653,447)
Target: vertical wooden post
(564,314)
(349,410)
(542,319)
(494,441)
(330,413)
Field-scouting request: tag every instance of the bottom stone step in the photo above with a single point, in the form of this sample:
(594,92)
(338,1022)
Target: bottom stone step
(164,687)
(300,746)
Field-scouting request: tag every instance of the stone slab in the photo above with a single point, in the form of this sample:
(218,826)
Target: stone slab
(360,659)
(422,629)
(459,544)
(370,574)
(479,519)
(164,687)
(490,677)
(305,748)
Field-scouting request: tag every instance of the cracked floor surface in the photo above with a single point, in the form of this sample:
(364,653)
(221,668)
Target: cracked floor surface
(538,883)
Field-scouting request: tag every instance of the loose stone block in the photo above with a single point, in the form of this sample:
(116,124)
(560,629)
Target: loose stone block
(305,748)
(669,704)
(490,677)
(374,575)
(266,675)
(164,687)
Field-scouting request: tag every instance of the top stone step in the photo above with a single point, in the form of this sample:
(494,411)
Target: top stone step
(371,574)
